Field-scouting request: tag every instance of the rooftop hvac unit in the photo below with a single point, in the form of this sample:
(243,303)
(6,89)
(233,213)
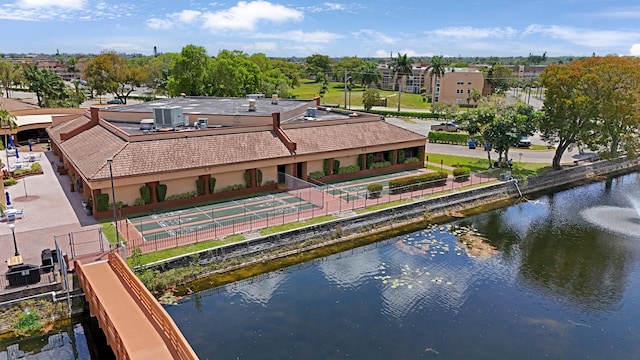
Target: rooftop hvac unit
(311,112)
(252,105)
(170,116)
(274,99)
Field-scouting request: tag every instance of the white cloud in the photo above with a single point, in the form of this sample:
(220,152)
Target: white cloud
(334,6)
(635,50)
(159,24)
(585,37)
(373,36)
(467,32)
(262,46)
(246,16)
(37,4)
(301,36)
(182,17)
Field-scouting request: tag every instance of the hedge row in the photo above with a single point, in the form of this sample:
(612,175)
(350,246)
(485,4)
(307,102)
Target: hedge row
(448,137)
(461,173)
(411,183)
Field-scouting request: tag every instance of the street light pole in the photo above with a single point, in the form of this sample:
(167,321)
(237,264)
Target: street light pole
(15,244)
(113,196)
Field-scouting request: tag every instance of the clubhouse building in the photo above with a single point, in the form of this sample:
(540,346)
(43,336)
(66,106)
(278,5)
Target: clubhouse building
(187,150)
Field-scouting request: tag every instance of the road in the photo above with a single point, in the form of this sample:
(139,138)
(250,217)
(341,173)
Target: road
(517,154)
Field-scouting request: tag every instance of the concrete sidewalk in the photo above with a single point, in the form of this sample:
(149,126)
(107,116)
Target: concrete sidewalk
(49,208)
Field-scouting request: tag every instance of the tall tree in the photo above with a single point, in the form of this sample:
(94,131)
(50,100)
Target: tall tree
(190,72)
(592,102)
(369,74)
(436,69)
(47,85)
(318,63)
(401,67)
(501,78)
(8,122)
(102,73)
(10,74)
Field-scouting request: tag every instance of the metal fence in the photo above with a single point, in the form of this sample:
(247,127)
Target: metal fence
(335,201)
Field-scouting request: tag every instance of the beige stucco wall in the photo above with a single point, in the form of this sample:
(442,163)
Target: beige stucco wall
(229,178)
(315,165)
(126,194)
(180,186)
(348,160)
(269,174)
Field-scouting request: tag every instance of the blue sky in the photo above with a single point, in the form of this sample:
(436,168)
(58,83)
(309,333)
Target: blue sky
(372,28)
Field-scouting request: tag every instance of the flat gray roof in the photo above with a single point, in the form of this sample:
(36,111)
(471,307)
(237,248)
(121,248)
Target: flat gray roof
(214,106)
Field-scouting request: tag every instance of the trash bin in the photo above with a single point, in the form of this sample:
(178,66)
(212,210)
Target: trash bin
(21,275)
(472,144)
(47,260)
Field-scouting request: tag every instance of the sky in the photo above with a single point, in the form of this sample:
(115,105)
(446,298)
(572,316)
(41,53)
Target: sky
(372,28)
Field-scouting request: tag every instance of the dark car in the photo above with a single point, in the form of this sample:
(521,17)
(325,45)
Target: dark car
(114,101)
(448,126)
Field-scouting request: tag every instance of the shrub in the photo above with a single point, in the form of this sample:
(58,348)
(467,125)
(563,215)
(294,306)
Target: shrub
(247,179)
(161,192)
(316,174)
(336,166)
(379,164)
(348,169)
(259,177)
(138,201)
(145,194)
(212,185)
(200,186)
(21,171)
(9,181)
(36,167)
(102,202)
(400,156)
(411,160)
(411,183)
(269,182)
(360,158)
(325,166)
(369,160)
(233,187)
(374,190)
(182,195)
(461,173)
(448,137)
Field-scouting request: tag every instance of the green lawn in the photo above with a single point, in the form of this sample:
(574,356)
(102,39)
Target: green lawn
(310,89)
(481,164)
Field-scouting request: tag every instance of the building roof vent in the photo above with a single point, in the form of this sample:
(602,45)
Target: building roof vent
(274,99)
(146,124)
(252,105)
(311,113)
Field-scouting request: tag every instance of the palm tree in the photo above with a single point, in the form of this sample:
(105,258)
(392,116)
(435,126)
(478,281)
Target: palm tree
(436,69)
(7,122)
(369,74)
(401,67)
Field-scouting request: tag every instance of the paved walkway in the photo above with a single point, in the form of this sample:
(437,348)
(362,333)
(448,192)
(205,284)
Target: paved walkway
(49,209)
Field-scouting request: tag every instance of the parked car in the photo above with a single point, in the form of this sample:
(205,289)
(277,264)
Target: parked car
(114,101)
(448,126)
(523,142)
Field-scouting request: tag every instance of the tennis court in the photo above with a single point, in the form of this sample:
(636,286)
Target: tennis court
(199,218)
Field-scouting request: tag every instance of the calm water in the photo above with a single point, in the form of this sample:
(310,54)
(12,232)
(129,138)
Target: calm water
(565,284)
(560,287)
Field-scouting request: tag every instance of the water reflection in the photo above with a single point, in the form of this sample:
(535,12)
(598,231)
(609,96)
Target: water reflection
(352,271)
(258,291)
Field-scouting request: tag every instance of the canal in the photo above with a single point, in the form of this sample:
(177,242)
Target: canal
(561,280)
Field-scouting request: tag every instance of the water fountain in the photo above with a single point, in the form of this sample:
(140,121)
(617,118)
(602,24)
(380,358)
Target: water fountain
(620,220)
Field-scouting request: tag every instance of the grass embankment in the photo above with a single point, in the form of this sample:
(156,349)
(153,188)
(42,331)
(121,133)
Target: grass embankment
(519,170)
(309,89)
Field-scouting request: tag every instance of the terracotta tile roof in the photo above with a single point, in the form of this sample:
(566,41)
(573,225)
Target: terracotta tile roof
(348,136)
(55,131)
(15,105)
(90,149)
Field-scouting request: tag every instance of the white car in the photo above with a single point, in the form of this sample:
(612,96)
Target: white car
(448,126)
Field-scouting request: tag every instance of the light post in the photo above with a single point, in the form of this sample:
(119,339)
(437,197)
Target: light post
(15,244)
(113,196)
